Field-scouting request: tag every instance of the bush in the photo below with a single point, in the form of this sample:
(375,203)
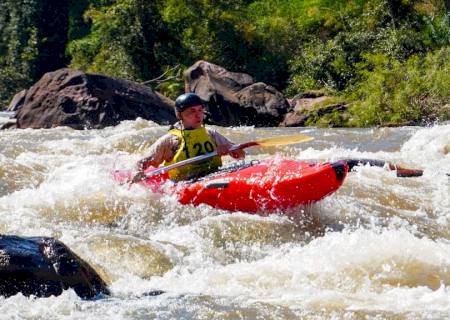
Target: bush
(395,93)
(395,30)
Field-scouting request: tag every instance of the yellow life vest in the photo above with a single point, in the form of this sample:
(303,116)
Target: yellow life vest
(193,143)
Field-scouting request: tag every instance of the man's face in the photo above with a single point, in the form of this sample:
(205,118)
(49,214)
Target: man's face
(192,117)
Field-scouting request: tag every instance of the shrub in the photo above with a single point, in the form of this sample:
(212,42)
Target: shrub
(394,92)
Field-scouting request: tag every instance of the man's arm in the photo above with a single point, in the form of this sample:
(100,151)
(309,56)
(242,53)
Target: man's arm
(223,145)
(160,151)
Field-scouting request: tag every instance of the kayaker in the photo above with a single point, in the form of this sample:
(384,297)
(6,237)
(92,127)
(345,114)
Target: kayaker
(187,138)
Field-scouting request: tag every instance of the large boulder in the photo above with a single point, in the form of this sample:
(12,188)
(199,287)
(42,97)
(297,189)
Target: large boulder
(43,267)
(68,97)
(234,99)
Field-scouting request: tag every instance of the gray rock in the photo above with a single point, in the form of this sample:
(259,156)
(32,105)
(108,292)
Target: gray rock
(43,267)
(17,101)
(234,99)
(79,100)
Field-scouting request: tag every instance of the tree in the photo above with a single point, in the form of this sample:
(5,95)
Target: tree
(33,35)
(126,33)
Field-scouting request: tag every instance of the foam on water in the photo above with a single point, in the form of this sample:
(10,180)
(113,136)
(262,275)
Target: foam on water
(378,246)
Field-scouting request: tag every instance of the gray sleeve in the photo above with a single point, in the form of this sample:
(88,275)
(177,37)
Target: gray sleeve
(219,139)
(163,149)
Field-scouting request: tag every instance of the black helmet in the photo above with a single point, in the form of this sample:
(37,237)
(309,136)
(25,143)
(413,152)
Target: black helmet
(187,100)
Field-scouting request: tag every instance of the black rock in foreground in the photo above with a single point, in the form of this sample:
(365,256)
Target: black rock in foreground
(42,267)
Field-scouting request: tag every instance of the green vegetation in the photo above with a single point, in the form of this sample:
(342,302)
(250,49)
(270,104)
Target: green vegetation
(30,45)
(394,92)
(389,59)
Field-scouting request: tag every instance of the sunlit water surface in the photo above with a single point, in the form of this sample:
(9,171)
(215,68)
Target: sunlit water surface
(378,248)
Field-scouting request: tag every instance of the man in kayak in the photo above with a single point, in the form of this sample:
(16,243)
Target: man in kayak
(186,139)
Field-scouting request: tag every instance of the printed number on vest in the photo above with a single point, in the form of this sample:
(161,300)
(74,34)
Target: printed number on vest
(198,147)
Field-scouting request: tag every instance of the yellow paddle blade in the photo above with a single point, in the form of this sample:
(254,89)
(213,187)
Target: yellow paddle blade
(283,140)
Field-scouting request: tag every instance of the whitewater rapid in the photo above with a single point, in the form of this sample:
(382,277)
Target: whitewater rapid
(379,247)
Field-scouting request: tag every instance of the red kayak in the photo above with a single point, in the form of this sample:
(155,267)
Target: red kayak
(263,186)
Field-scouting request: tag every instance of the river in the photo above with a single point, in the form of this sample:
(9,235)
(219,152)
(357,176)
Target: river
(377,248)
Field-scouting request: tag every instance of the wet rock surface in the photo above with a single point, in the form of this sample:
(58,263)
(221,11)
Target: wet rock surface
(42,267)
(234,99)
(79,100)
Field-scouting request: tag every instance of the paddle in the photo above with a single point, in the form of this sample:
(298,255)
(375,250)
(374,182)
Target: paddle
(268,142)
(401,172)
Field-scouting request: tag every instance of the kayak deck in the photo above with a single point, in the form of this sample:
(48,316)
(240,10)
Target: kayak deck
(265,186)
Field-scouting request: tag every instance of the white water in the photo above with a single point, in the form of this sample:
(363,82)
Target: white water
(378,248)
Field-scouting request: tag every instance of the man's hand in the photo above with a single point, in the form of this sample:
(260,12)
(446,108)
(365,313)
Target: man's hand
(238,154)
(138,177)
(225,149)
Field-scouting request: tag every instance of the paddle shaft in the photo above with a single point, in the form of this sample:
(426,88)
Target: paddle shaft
(279,140)
(401,172)
(198,158)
